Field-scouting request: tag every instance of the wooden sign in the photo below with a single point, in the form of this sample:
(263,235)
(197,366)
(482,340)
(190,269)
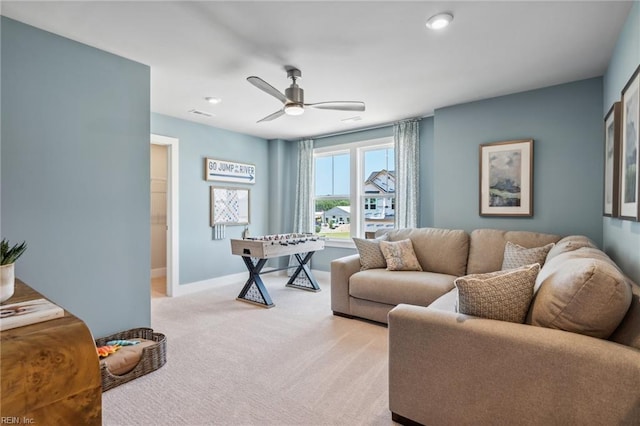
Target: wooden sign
(229,171)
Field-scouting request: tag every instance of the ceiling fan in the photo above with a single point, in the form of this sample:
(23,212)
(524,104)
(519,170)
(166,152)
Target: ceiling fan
(293,97)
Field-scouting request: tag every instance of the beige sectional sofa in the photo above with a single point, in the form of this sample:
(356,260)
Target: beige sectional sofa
(574,360)
(444,255)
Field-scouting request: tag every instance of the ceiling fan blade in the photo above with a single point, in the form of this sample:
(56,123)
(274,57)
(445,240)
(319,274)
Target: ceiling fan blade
(339,105)
(266,87)
(272,116)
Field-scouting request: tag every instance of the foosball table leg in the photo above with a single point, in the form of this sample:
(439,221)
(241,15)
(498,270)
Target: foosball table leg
(302,278)
(254,290)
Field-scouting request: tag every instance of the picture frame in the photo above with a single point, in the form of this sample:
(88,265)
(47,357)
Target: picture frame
(506,178)
(611,194)
(629,146)
(229,206)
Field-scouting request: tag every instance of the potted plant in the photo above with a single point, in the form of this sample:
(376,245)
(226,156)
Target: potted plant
(8,257)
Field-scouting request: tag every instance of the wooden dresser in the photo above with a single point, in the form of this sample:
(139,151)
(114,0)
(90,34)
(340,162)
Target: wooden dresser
(50,372)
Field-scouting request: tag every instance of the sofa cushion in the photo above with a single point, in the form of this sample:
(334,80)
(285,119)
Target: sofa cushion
(446,302)
(486,250)
(570,243)
(371,256)
(628,332)
(502,295)
(400,255)
(395,287)
(438,250)
(581,291)
(552,265)
(516,256)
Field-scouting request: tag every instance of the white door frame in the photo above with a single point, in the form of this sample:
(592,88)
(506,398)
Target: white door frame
(173,211)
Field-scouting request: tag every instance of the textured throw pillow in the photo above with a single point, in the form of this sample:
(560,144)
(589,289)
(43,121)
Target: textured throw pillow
(400,256)
(516,256)
(501,295)
(371,256)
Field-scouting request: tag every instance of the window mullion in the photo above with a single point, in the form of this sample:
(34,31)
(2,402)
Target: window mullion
(356,171)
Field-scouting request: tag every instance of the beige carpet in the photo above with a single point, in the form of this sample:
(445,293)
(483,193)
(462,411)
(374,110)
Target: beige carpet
(232,363)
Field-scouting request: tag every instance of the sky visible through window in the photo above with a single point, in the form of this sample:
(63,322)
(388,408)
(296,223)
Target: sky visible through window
(378,159)
(333,172)
(332,175)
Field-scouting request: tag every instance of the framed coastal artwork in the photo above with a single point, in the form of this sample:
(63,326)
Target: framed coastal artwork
(630,142)
(612,161)
(506,178)
(229,206)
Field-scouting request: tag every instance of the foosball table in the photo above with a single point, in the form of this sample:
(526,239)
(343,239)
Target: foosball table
(256,251)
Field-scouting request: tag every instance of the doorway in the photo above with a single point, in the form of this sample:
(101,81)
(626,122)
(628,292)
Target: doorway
(159,207)
(164,215)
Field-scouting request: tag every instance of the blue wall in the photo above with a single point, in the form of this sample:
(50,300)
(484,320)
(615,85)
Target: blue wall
(202,257)
(381,132)
(565,122)
(621,237)
(75,175)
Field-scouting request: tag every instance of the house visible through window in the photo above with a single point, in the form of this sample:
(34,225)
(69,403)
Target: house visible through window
(354,189)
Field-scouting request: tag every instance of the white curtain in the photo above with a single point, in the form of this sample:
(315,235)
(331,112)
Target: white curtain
(304,209)
(406,144)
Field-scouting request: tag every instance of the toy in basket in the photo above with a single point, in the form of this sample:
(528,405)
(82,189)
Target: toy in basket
(122,360)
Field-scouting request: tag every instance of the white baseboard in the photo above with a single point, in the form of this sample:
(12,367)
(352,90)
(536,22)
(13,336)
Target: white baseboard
(197,286)
(158,272)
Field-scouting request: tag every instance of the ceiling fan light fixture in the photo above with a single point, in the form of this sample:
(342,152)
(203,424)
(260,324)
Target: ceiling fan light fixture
(293,98)
(439,21)
(293,109)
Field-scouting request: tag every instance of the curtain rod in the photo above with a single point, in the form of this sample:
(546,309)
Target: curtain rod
(363,129)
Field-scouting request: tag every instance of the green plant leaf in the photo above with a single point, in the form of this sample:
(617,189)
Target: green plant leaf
(9,255)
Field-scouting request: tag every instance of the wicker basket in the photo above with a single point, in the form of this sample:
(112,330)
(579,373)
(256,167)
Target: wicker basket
(153,356)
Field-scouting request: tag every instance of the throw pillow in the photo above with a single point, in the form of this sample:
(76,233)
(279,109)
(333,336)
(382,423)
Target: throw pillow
(516,256)
(583,295)
(570,243)
(400,256)
(501,295)
(371,256)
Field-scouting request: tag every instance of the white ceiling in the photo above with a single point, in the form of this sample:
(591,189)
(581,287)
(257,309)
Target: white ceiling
(379,52)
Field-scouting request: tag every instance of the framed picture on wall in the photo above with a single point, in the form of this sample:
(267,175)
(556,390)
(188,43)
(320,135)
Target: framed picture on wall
(630,142)
(612,161)
(506,178)
(229,206)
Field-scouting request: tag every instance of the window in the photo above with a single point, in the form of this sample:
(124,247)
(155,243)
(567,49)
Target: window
(354,189)
(370,204)
(332,194)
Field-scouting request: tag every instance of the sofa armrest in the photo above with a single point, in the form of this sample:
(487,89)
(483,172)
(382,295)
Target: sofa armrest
(449,368)
(341,271)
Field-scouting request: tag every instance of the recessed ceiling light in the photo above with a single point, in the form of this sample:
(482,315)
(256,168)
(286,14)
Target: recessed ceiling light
(212,100)
(439,21)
